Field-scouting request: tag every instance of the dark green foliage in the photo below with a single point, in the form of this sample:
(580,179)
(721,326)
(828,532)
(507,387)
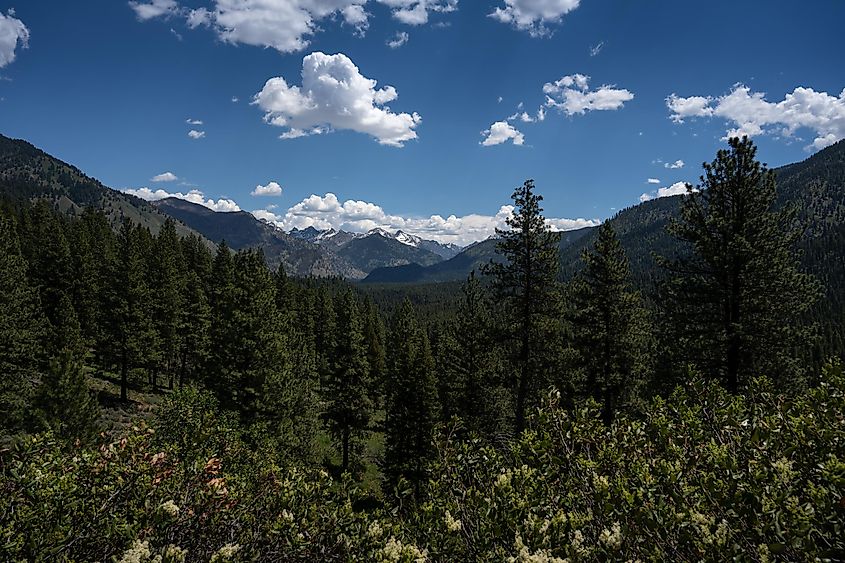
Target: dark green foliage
(736,304)
(325,329)
(374,339)
(23,331)
(469,365)
(348,407)
(169,310)
(411,400)
(64,404)
(611,335)
(526,284)
(129,337)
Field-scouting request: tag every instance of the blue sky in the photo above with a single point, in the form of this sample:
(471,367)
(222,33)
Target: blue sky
(629,88)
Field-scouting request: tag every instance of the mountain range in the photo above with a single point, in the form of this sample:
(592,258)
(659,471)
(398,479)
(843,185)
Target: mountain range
(28,173)
(816,186)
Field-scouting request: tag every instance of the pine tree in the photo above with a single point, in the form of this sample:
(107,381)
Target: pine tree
(347,403)
(526,284)
(196,319)
(610,333)
(374,337)
(63,402)
(130,336)
(22,331)
(221,334)
(736,303)
(168,276)
(411,400)
(46,249)
(325,331)
(471,364)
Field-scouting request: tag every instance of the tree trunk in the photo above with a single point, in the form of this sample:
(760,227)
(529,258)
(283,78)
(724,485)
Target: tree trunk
(124,376)
(345,439)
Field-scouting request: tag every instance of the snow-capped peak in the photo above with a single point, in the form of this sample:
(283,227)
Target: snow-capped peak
(405,238)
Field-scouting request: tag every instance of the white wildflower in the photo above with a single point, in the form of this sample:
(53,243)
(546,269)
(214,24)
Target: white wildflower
(394,550)
(175,554)
(170,508)
(225,553)
(375,531)
(138,553)
(524,555)
(503,480)
(612,538)
(452,524)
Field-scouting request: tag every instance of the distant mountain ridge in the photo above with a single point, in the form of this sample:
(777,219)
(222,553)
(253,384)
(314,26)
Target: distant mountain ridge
(27,173)
(241,230)
(816,186)
(335,238)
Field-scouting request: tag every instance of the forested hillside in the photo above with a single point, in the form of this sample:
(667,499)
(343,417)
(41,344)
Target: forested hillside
(27,172)
(245,414)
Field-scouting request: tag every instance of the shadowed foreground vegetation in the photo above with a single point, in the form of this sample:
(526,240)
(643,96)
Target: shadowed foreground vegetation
(702,475)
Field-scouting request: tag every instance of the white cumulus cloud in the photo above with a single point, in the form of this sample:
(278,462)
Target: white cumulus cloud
(164,177)
(572,95)
(415,12)
(500,132)
(678,188)
(400,39)
(194,196)
(751,114)
(534,16)
(194,134)
(191,121)
(324,212)
(674,165)
(154,9)
(12,33)
(335,95)
(271,189)
(653,181)
(285,25)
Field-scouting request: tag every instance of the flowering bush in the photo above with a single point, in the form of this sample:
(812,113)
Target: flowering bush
(702,475)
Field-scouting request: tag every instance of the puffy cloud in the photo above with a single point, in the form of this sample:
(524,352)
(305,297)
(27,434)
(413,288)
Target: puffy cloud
(533,16)
(678,188)
(751,114)
(164,177)
(191,121)
(194,196)
(12,33)
(154,9)
(285,25)
(398,41)
(271,189)
(653,181)
(194,134)
(572,95)
(335,95)
(323,212)
(674,165)
(415,12)
(500,132)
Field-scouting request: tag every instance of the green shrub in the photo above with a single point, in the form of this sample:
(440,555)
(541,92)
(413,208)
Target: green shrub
(702,475)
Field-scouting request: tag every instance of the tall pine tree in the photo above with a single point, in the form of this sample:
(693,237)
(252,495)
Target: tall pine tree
(347,403)
(411,400)
(610,331)
(736,303)
(23,331)
(526,284)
